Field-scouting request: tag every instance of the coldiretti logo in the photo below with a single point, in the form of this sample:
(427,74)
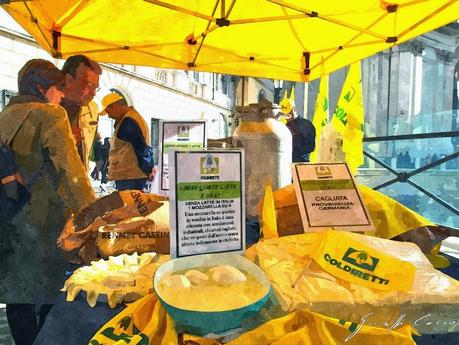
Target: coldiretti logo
(183,133)
(209,165)
(323,172)
(360,259)
(357,259)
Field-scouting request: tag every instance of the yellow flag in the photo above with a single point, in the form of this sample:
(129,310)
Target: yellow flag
(320,118)
(268,214)
(348,118)
(287,103)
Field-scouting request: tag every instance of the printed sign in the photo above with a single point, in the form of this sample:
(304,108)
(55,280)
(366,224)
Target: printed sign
(207,199)
(176,135)
(328,198)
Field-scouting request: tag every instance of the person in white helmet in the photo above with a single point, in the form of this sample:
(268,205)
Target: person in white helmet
(131,160)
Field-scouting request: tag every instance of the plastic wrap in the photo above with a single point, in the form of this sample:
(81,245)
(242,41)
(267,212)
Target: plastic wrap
(432,305)
(122,222)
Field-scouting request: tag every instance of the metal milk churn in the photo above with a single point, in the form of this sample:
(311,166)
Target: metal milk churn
(268,152)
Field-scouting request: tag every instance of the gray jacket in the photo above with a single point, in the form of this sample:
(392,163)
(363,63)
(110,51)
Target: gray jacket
(31,267)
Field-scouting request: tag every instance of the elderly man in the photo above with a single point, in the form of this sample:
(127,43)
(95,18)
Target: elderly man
(81,83)
(130,158)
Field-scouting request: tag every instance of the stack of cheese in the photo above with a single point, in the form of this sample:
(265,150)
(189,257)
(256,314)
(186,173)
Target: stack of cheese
(432,305)
(123,278)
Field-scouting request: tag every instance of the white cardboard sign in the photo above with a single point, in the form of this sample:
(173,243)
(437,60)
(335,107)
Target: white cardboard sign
(329,198)
(177,135)
(207,202)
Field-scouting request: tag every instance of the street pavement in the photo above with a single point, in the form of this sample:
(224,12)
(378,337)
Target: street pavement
(5,335)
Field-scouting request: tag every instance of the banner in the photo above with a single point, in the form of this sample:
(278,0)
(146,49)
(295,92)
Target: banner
(348,118)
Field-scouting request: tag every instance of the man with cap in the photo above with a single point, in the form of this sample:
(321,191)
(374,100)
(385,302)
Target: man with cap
(130,159)
(303,131)
(81,84)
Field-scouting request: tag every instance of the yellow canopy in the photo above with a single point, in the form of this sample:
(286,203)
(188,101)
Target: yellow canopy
(280,39)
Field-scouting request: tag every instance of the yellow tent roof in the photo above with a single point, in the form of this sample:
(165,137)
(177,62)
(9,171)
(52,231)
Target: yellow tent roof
(282,39)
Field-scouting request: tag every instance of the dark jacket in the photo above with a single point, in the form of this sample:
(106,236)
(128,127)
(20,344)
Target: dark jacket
(31,267)
(303,138)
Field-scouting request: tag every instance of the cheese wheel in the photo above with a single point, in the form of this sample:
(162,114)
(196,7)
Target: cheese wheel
(197,277)
(227,275)
(178,281)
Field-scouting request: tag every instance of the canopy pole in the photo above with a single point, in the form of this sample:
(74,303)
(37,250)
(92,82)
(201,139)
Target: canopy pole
(307,70)
(388,90)
(56,43)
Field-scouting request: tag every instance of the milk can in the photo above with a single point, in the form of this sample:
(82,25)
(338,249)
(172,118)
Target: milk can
(268,152)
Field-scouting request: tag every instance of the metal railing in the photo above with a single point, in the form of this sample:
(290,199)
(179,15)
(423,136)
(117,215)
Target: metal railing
(405,177)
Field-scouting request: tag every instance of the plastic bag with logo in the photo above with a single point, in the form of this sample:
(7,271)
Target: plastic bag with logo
(347,256)
(141,323)
(146,322)
(308,328)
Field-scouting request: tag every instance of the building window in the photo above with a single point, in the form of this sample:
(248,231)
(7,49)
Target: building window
(161,76)
(196,76)
(224,80)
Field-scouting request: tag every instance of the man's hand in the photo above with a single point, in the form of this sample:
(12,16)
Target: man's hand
(152,175)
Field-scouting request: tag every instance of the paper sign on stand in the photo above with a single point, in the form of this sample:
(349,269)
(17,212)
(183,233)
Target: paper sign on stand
(207,201)
(329,198)
(177,135)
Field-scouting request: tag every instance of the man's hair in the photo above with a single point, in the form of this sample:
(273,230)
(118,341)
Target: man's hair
(38,72)
(73,62)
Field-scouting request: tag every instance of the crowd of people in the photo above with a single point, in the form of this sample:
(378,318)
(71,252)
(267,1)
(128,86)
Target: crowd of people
(51,130)
(48,145)
(100,152)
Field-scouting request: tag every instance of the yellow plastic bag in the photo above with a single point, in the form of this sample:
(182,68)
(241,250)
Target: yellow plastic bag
(143,322)
(300,327)
(307,328)
(390,218)
(347,256)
